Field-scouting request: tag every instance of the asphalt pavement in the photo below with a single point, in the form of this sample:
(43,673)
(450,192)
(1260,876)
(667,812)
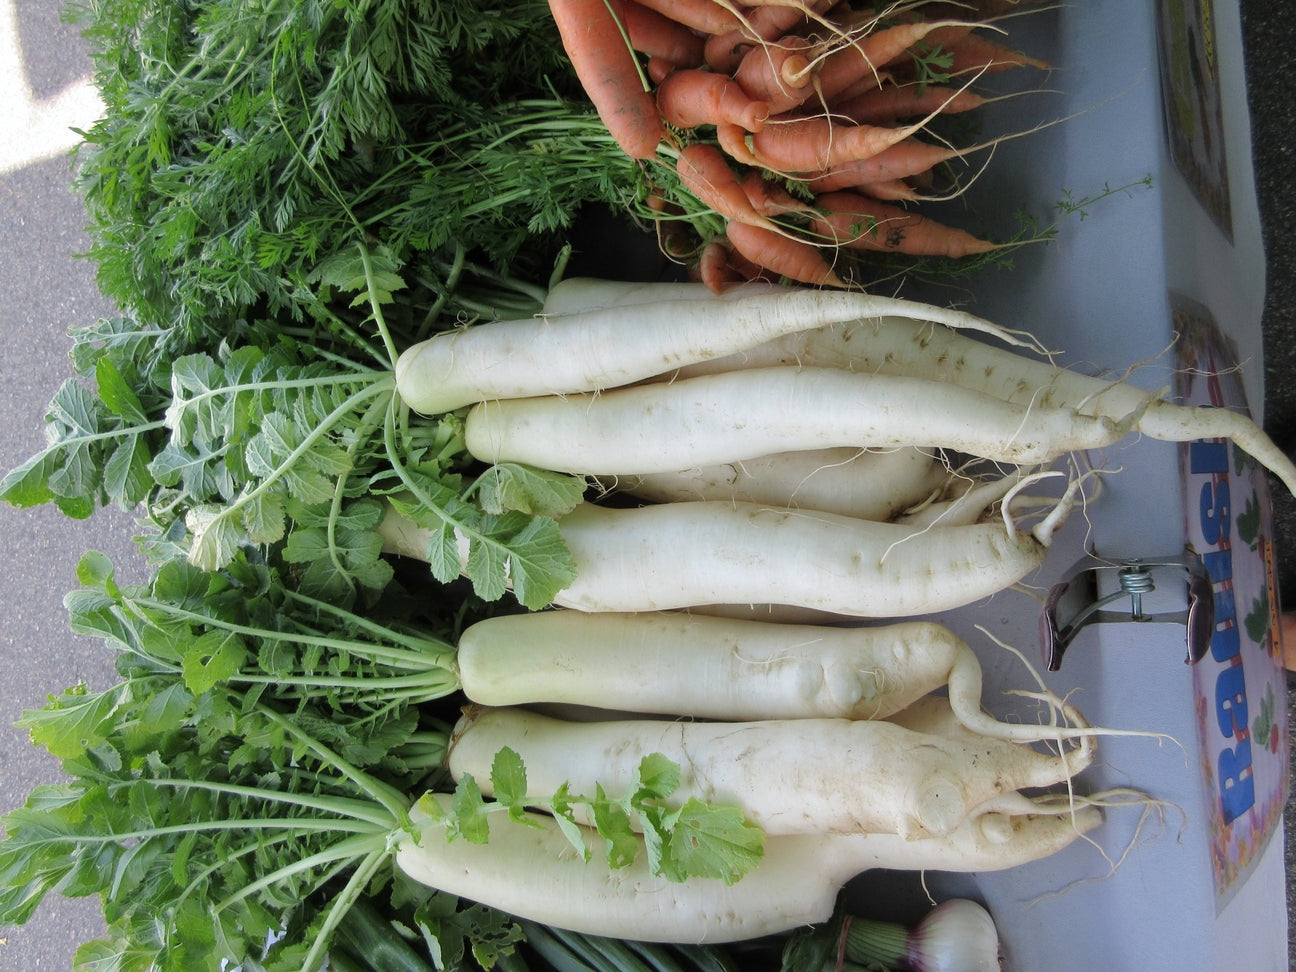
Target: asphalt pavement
(45,288)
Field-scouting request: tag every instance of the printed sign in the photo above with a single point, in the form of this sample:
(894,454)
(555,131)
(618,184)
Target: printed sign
(1190,93)
(1240,685)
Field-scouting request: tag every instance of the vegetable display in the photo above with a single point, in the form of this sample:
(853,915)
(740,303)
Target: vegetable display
(501,615)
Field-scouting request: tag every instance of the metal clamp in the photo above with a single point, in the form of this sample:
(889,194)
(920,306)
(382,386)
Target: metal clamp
(1075,602)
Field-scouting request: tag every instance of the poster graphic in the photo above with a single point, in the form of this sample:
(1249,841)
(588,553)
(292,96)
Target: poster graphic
(1190,92)
(1240,686)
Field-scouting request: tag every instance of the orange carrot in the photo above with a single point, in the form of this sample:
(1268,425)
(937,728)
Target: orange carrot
(658,69)
(715,267)
(858,223)
(724,52)
(733,140)
(771,199)
(706,16)
(674,236)
(772,20)
(787,257)
(768,23)
(658,36)
(904,160)
(896,190)
(688,98)
(975,53)
(864,58)
(889,104)
(817,144)
(776,73)
(608,72)
(705,173)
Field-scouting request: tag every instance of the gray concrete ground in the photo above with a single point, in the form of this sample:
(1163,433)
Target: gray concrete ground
(44,290)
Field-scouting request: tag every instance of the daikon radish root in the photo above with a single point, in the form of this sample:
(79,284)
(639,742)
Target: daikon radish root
(727,417)
(967,500)
(678,555)
(895,346)
(871,485)
(730,670)
(786,776)
(795,884)
(603,348)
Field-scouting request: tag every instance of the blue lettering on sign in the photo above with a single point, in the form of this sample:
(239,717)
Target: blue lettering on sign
(1208,457)
(1230,702)
(1236,781)
(1215,511)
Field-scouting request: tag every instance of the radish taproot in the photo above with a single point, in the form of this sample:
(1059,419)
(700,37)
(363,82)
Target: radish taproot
(589,350)
(677,555)
(719,418)
(786,776)
(689,665)
(871,485)
(899,346)
(796,883)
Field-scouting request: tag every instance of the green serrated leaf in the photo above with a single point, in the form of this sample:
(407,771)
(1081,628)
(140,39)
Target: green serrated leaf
(471,820)
(263,517)
(508,778)
(658,777)
(126,475)
(613,824)
(211,659)
(540,565)
(27,485)
(95,570)
(486,567)
(71,723)
(712,842)
(168,709)
(117,393)
(512,486)
(216,539)
(443,553)
(75,507)
(574,833)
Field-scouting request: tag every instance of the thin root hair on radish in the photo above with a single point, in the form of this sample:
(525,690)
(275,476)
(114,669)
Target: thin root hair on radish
(1057,704)
(1115,798)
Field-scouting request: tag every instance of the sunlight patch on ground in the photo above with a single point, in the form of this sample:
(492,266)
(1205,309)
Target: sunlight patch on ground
(32,130)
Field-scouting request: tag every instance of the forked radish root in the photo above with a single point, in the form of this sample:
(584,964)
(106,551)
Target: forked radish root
(788,776)
(795,884)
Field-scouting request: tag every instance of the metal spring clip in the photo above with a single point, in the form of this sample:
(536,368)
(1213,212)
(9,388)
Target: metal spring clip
(1074,602)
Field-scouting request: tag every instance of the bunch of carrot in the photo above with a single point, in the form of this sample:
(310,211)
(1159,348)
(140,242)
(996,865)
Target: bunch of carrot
(799,122)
